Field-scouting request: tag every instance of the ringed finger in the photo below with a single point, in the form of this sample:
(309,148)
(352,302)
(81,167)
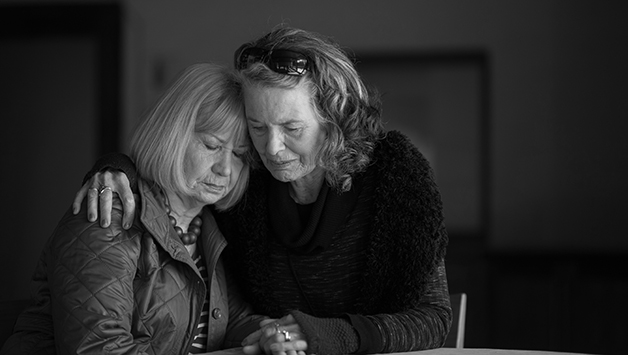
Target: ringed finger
(105,198)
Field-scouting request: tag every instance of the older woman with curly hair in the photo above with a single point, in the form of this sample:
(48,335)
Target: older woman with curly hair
(340,238)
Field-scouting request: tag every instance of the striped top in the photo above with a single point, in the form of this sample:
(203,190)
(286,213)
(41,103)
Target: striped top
(199,345)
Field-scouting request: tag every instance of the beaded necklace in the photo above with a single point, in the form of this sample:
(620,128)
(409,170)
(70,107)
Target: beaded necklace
(194,229)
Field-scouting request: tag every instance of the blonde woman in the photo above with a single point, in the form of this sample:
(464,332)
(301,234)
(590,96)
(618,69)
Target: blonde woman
(159,286)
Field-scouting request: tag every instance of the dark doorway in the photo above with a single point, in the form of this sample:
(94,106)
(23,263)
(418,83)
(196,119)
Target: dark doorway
(60,94)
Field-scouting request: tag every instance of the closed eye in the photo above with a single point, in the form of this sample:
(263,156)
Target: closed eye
(257,127)
(213,148)
(293,130)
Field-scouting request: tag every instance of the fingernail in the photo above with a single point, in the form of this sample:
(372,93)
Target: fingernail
(127,225)
(91,217)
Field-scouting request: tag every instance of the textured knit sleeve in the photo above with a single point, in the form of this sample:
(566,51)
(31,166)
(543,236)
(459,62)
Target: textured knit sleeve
(425,326)
(115,161)
(416,310)
(327,336)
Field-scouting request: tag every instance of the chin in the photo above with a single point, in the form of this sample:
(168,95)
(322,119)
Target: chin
(281,176)
(212,199)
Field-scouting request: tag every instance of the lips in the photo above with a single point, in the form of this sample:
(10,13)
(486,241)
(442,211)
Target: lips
(214,187)
(279,164)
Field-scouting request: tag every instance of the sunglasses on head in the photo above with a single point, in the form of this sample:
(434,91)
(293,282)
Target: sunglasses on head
(278,60)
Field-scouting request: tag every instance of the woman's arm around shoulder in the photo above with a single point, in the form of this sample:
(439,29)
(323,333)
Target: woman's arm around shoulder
(112,173)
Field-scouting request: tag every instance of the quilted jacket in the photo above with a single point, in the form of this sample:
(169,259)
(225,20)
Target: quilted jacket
(133,291)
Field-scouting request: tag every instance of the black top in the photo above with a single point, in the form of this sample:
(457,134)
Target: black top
(366,272)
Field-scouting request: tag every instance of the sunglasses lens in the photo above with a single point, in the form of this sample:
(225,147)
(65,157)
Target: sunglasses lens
(288,62)
(293,66)
(280,61)
(288,65)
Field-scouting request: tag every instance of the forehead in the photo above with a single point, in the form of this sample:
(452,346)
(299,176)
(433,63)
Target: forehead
(233,135)
(278,105)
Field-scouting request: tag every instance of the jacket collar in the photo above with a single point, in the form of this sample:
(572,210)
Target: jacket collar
(154,217)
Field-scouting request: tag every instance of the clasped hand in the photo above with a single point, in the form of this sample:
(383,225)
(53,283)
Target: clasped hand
(276,336)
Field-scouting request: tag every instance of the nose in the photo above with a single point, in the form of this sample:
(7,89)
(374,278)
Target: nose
(222,165)
(275,142)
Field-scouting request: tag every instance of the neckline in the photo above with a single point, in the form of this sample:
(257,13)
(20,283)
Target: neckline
(328,213)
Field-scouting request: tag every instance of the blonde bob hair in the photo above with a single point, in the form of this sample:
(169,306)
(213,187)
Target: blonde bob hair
(205,98)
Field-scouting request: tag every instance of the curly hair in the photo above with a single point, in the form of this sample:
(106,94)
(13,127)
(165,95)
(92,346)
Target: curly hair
(345,106)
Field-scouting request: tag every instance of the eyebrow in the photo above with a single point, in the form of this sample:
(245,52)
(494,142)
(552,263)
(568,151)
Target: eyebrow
(241,146)
(291,121)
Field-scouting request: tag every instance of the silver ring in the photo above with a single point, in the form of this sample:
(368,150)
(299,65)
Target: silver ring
(93,188)
(286,334)
(103,189)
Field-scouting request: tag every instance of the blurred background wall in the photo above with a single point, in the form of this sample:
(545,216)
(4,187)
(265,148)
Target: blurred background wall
(544,260)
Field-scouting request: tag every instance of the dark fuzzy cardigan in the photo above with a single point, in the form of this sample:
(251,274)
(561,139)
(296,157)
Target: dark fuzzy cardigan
(407,241)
